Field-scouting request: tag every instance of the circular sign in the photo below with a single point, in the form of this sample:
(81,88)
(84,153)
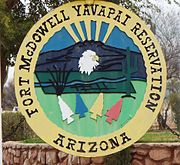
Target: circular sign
(90,79)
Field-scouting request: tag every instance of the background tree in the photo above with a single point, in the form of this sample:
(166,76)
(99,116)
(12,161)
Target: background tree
(166,27)
(13,27)
(175,105)
(9,99)
(167,31)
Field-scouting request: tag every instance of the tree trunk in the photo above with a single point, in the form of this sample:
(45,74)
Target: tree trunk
(3,68)
(160,122)
(10,3)
(3,60)
(3,71)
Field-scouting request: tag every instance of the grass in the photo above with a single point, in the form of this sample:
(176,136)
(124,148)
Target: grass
(149,137)
(33,140)
(159,136)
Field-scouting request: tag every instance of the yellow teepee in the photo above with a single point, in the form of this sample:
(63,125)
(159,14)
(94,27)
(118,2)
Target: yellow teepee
(97,107)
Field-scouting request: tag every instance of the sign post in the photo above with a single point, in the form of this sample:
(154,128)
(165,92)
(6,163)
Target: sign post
(90,78)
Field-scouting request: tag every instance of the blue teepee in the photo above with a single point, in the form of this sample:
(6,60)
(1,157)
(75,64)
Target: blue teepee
(81,108)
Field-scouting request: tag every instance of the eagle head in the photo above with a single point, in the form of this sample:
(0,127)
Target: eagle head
(88,62)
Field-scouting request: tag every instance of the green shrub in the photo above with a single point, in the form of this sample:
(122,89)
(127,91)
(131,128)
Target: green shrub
(120,158)
(15,128)
(175,105)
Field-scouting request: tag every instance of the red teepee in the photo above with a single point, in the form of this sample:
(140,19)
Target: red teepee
(113,113)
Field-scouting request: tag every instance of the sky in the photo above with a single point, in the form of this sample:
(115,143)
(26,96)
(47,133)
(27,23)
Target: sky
(162,4)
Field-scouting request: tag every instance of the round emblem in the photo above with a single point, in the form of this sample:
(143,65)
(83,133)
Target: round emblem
(90,79)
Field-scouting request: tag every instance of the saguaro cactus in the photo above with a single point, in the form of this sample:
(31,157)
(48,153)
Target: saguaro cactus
(129,69)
